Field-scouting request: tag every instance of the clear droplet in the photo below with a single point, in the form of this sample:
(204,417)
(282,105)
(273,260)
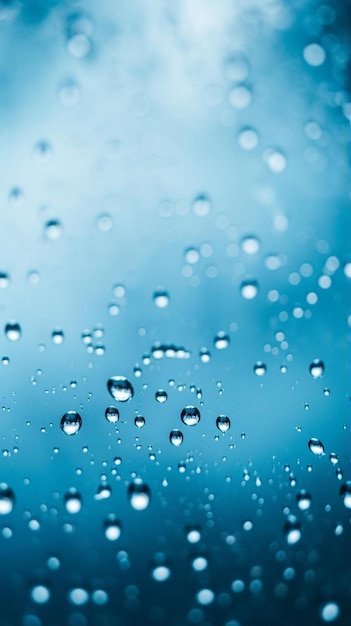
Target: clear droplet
(7,499)
(223,423)
(139,421)
(190,415)
(120,388)
(345,494)
(13,331)
(73,501)
(161,299)
(250,244)
(53,229)
(201,205)
(260,368)
(139,495)
(316,446)
(57,336)
(176,437)
(112,414)
(303,499)
(161,396)
(317,368)
(112,528)
(221,340)
(249,289)
(71,423)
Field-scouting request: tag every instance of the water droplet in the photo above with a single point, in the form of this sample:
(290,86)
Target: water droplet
(13,331)
(303,499)
(40,594)
(205,355)
(317,368)
(205,596)
(190,415)
(248,140)
(330,612)
(240,96)
(193,534)
(57,336)
(250,244)
(112,414)
(161,299)
(78,596)
(316,446)
(314,55)
(112,528)
(103,492)
(260,368)
(4,280)
(249,289)
(199,563)
(69,93)
(71,423)
(345,494)
(73,501)
(176,437)
(160,573)
(53,229)
(139,495)
(161,395)
(333,457)
(276,160)
(223,423)
(7,499)
(292,530)
(201,205)
(221,340)
(139,421)
(120,388)
(104,222)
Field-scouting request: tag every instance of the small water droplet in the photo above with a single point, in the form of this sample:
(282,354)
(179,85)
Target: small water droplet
(112,528)
(190,415)
(345,494)
(161,299)
(104,222)
(250,244)
(139,421)
(260,368)
(73,501)
(161,396)
(248,140)
(292,530)
(71,423)
(316,446)
(334,458)
(316,368)
(176,437)
(13,331)
(4,280)
(57,336)
(205,355)
(201,205)
(160,573)
(221,340)
(223,423)
(112,414)
(40,594)
(120,388)
(303,499)
(139,495)
(7,499)
(276,160)
(193,534)
(249,289)
(53,230)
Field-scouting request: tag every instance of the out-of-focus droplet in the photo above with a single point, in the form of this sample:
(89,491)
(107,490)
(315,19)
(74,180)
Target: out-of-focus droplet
(316,446)
(221,340)
(40,594)
(292,530)
(104,222)
(160,573)
(248,138)
(78,596)
(190,415)
(13,331)
(223,423)
(249,289)
(57,336)
(250,244)
(201,205)
(53,230)
(7,499)
(176,437)
(193,534)
(161,299)
(317,368)
(71,423)
(314,55)
(260,368)
(120,388)
(69,93)
(276,160)
(303,499)
(4,280)
(345,494)
(240,97)
(191,255)
(139,495)
(334,458)
(161,396)
(73,501)
(330,612)
(112,414)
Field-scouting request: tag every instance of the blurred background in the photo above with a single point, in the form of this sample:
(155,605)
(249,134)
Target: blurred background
(175,313)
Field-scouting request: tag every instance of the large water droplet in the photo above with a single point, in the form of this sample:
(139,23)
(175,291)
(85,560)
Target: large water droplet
(223,423)
(139,495)
(120,388)
(112,414)
(73,501)
(7,499)
(316,446)
(345,493)
(249,289)
(190,415)
(176,437)
(71,423)
(13,331)
(317,368)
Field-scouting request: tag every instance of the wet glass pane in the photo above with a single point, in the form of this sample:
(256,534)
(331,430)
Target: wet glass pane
(175,272)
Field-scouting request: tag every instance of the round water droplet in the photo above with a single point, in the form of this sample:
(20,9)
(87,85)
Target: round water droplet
(240,97)
(40,594)
(161,299)
(112,528)
(316,446)
(57,336)
(250,244)
(176,437)
(120,388)
(13,331)
(314,55)
(221,340)
(190,416)
(53,229)
(345,494)
(199,563)
(249,289)
(73,501)
(333,457)
(161,396)
(71,423)
(205,355)
(205,596)
(260,368)
(223,423)
(193,534)
(276,160)
(78,596)
(4,280)
(7,499)
(139,495)
(160,573)
(317,368)
(292,531)
(330,612)
(112,414)
(303,499)
(191,255)
(248,140)
(201,205)
(139,421)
